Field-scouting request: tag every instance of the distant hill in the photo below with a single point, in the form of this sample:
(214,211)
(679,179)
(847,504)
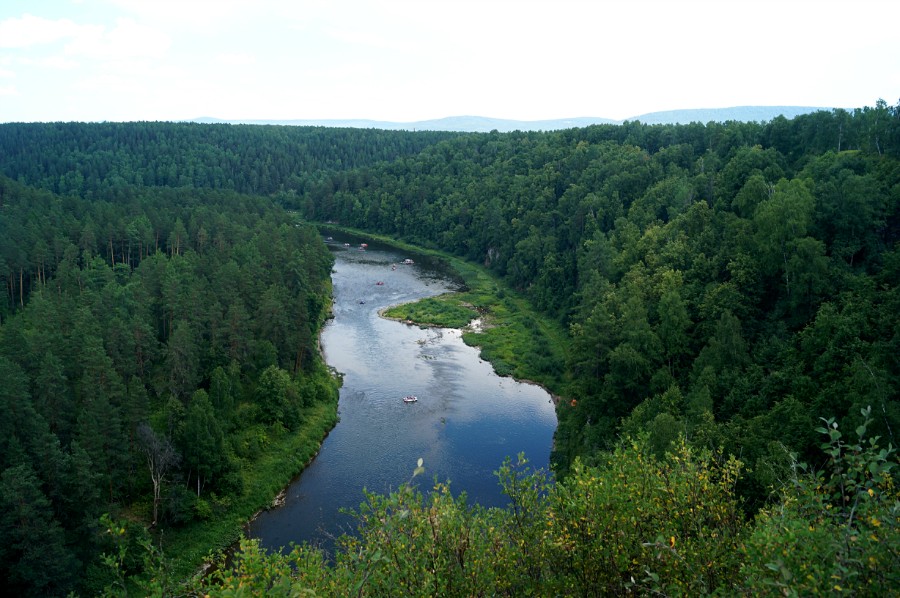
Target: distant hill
(736,113)
(482,124)
(466,124)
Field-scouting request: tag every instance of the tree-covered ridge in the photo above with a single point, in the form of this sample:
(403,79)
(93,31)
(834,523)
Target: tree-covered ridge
(149,351)
(106,159)
(729,281)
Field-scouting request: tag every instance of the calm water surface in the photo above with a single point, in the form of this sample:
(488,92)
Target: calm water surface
(466,421)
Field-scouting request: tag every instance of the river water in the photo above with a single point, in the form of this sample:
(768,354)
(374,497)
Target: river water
(466,421)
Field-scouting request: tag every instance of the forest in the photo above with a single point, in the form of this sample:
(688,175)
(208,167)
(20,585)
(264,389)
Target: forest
(151,349)
(729,293)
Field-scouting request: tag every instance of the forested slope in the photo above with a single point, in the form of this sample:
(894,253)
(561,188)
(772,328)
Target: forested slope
(150,350)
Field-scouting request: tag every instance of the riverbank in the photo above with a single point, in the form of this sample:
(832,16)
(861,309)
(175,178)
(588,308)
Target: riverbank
(286,454)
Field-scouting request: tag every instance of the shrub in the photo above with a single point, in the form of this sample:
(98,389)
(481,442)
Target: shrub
(836,529)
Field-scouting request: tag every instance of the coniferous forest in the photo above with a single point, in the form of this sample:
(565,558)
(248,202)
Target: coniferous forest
(730,392)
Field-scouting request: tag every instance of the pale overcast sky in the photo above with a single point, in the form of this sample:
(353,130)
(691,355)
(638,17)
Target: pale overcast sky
(116,60)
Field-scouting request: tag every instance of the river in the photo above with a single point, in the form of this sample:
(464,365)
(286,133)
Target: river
(465,422)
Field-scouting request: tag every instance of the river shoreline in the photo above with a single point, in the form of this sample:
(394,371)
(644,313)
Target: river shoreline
(378,434)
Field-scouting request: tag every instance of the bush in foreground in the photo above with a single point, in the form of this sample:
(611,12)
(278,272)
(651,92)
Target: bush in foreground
(633,524)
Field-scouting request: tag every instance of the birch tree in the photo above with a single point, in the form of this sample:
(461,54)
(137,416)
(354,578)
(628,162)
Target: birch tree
(161,457)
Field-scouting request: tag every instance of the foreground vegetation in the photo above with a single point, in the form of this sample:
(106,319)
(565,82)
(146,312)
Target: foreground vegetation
(636,522)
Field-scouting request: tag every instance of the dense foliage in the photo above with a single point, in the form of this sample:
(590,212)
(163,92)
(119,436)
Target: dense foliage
(722,286)
(105,160)
(148,351)
(634,523)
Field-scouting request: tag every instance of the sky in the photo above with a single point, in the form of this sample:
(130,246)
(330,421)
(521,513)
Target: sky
(411,60)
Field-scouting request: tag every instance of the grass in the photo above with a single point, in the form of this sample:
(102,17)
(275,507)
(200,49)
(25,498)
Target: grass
(434,311)
(517,340)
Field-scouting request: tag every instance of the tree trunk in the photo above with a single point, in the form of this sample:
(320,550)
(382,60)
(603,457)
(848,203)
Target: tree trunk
(157,488)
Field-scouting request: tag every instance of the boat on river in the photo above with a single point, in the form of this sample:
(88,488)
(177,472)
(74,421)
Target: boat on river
(410,399)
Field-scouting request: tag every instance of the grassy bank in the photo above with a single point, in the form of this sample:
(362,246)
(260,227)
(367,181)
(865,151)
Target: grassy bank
(286,454)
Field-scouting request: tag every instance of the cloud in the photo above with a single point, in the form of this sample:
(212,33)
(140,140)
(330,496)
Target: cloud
(109,83)
(60,44)
(28,30)
(191,14)
(127,39)
(365,38)
(8,90)
(60,63)
(235,59)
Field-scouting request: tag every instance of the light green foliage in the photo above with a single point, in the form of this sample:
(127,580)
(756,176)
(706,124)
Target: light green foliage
(134,565)
(273,395)
(636,523)
(781,222)
(445,311)
(836,530)
(632,524)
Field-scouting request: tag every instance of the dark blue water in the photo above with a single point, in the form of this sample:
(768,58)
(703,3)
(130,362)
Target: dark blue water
(466,421)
